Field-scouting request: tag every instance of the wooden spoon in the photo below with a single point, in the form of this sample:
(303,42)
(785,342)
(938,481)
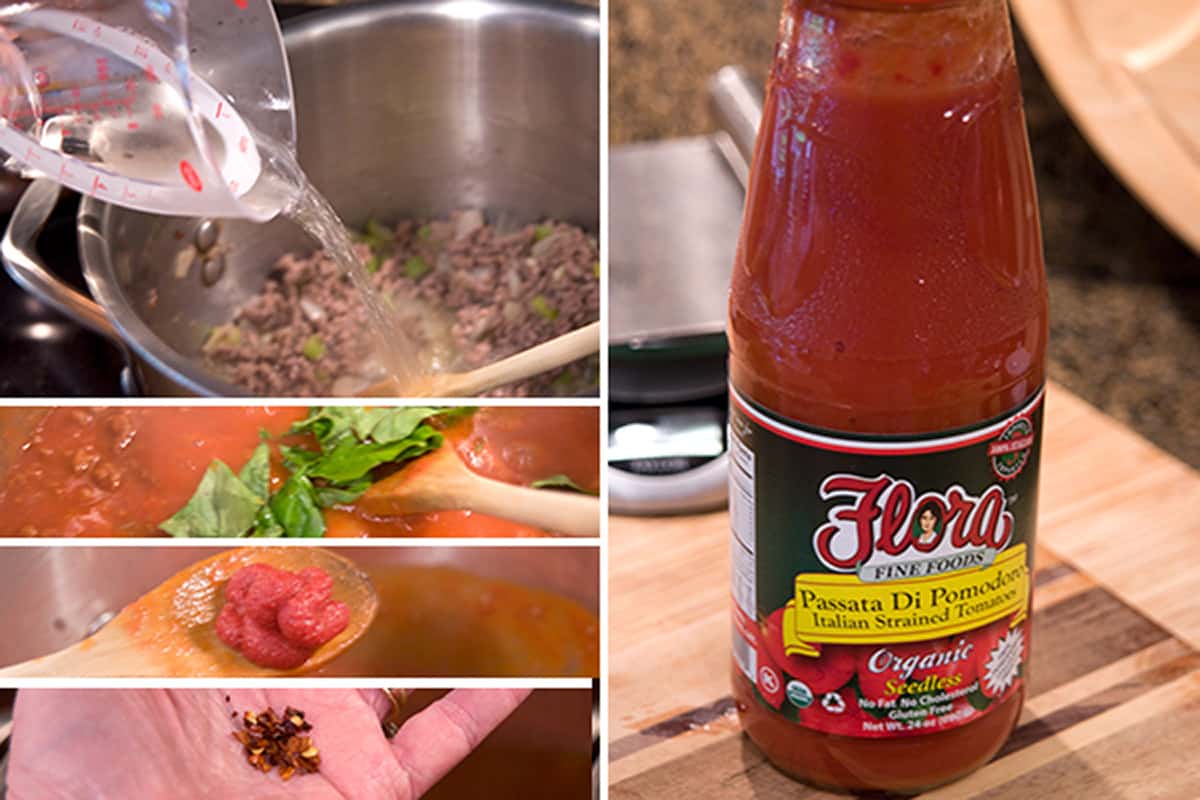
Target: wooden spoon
(538,359)
(441,481)
(169,632)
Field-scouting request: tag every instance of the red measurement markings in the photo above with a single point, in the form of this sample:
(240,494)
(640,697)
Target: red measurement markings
(240,3)
(54,110)
(103,76)
(98,185)
(65,173)
(220,108)
(190,177)
(158,112)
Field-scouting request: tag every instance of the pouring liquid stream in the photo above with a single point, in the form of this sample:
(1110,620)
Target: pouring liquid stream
(397,348)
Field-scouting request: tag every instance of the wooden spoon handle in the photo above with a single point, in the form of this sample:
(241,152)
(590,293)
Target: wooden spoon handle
(108,654)
(544,357)
(567,513)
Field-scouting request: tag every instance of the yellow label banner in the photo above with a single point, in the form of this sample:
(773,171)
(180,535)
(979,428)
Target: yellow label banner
(842,609)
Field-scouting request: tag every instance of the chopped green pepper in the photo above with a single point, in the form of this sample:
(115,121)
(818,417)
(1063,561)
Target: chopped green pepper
(379,232)
(541,306)
(314,348)
(416,268)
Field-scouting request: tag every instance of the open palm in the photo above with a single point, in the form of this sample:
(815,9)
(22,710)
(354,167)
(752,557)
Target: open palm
(167,743)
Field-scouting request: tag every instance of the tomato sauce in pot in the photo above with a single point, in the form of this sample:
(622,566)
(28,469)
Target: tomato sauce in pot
(122,471)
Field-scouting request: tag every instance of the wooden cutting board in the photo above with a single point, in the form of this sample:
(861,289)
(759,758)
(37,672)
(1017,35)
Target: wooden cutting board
(1127,72)
(1114,707)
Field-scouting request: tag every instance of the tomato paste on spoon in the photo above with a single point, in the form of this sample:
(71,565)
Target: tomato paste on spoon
(277,619)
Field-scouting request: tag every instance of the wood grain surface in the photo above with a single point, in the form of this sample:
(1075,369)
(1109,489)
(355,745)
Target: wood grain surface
(1114,693)
(1129,80)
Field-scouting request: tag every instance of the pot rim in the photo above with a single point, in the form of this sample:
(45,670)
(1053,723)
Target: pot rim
(94,217)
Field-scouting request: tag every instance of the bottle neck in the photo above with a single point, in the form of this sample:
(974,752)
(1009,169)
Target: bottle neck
(888,46)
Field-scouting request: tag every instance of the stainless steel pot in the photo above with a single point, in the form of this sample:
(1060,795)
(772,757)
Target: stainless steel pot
(66,593)
(402,109)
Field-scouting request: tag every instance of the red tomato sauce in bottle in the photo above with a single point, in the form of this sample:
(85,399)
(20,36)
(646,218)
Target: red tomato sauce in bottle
(887,331)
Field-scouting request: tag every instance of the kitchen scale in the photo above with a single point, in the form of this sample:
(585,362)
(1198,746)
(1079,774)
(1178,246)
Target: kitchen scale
(671,248)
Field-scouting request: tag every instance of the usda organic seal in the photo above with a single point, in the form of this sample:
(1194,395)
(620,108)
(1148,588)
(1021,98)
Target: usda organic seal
(799,694)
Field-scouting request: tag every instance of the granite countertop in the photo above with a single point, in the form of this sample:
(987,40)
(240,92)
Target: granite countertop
(1124,292)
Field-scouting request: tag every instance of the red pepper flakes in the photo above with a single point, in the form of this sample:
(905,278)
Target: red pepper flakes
(274,742)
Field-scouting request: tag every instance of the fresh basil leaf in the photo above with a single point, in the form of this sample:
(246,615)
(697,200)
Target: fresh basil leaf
(387,425)
(295,508)
(329,496)
(256,474)
(221,506)
(265,524)
(329,424)
(350,460)
(297,459)
(559,482)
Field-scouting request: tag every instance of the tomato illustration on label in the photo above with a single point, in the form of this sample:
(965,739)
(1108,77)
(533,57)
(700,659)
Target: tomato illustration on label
(837,713)
(831,670)
(768,679)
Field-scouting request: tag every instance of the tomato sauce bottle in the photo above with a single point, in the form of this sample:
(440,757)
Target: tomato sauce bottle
(887,333)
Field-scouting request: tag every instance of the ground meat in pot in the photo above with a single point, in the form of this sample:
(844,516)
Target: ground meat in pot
(504,291)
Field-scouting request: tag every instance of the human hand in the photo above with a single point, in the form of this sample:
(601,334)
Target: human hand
(168,743)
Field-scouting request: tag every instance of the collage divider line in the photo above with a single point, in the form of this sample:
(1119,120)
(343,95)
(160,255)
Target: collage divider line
(304,402)
(299,683)
(364,543)
(605,281)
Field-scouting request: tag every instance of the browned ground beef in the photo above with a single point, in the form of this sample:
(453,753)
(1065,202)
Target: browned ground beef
(504,290)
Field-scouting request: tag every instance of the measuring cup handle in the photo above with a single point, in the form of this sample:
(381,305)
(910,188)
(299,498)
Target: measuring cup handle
(21,260)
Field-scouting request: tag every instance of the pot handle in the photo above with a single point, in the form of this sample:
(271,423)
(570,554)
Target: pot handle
(24,265)
(702,489)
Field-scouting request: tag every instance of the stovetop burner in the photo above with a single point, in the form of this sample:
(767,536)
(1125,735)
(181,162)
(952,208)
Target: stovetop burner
(43,353)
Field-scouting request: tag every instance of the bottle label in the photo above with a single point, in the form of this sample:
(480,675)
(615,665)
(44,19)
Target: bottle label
(881,585)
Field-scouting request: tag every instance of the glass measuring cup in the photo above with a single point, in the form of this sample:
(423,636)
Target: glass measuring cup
(157,105)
